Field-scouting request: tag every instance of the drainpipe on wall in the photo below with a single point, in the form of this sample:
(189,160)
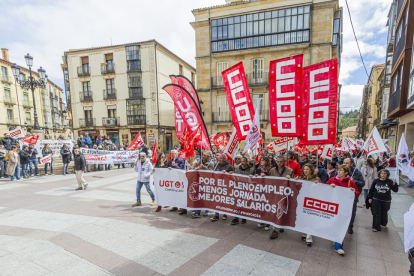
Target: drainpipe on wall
(211,95)
(158,102)
(311,35)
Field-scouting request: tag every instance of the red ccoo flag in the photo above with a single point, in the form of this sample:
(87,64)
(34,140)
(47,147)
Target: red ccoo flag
(137,142)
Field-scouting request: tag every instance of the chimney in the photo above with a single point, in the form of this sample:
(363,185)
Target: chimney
(5,54)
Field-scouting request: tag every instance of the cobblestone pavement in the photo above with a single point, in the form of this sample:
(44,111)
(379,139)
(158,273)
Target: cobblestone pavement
(48,228)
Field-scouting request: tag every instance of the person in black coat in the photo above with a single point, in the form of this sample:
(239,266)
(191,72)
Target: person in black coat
(81,142)
(24,160)
(7,141)
(66,157)
(379,197)
(80,167)
(2,161)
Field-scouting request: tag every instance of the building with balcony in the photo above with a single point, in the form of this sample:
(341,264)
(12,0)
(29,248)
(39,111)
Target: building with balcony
(257,32)
(116,91)
(16,104)
(401,100)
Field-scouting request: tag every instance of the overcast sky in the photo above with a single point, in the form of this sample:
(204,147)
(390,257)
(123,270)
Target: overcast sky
(47,28)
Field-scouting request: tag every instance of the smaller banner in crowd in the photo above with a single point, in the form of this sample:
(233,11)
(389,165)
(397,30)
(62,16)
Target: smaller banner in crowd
(232,148)
(320,103)
(220,140)
(31,139)
(254,134)
(16,133)
(327,152)
(46,159)
(55,146)
(374,144)
(307,207)
(409,229)
(281,144)
(285,82)
(239,99)
(404,159)
(93,156)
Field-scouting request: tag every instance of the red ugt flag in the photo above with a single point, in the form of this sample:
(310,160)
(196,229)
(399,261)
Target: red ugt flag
(154,152)
(136,143)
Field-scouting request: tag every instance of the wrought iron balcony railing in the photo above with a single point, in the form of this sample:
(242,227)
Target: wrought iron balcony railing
(108,69)
(86,96)
(87,122)
(109,94)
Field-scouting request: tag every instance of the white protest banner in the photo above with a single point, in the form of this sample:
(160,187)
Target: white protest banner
(409,229)
(282,143)
(94,156)
(404,159)
(374,143)
(124,156)
(303,206)
(232,148)
(16,133)
(46,159)
(55,146)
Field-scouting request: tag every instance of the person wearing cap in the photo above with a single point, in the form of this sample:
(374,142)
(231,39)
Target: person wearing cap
(144,169)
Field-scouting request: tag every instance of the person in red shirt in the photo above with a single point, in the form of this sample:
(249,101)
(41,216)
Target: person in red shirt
(343,180)
(391,161)
(293,164)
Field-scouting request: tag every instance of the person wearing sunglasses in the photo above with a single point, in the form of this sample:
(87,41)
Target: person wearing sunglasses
(162,163)
(321,172)
(144,169)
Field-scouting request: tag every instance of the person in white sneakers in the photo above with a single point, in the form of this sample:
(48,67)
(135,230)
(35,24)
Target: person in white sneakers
(144,169)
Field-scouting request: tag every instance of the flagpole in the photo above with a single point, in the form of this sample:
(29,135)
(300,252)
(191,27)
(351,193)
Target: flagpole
(287,149)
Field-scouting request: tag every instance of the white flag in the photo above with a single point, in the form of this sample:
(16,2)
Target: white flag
(16,133)
(327,152)
(254,134)
(232,148)
(350,144)
(404,160)
(360,143)
(374,143)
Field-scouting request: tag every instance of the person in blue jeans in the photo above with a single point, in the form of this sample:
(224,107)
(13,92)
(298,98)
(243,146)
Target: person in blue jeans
(13,168)
(144,169)
(24,160)
(33,160)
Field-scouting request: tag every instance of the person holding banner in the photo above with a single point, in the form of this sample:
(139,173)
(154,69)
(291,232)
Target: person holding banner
(379,197)
(343,180)
(308,174)
(47,151)
(33,160)
(13,168)
(80,167)
(24,160)
(144,169)
(223,165)
(160,164)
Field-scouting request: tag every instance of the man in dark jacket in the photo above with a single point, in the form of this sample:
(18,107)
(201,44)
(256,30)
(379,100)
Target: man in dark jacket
(66,157)
(24,160)
(7,141)
(176,162)
(411,259)
(81,142)
(319,165)
(357,177)
(223,165)
(33,160)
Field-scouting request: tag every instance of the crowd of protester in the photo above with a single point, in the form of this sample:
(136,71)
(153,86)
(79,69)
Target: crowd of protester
(356,171)
(18,160)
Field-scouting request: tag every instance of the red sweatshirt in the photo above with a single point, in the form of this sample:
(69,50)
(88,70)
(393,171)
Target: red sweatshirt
(344,183)
(295,167)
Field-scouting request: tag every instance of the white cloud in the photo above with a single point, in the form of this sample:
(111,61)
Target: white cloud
(351,97)
(47,28)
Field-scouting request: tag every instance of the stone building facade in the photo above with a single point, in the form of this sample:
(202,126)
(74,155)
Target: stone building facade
(257,32)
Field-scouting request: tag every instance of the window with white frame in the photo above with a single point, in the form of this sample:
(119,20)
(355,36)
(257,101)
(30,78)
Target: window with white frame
(258,68)
(223,112)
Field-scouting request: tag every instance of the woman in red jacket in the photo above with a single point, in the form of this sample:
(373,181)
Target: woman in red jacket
(343,180)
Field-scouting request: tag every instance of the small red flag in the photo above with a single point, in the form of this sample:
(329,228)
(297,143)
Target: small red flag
(137,142)
(154,152)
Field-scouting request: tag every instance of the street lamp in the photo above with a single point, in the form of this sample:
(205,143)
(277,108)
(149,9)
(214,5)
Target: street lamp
(369,118)
(31,83)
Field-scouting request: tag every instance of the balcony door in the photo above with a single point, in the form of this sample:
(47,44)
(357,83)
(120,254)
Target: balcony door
(7,95)
(258,70)
(221,66)
(110,87)
(223,109)
(111,113)
(10,115)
